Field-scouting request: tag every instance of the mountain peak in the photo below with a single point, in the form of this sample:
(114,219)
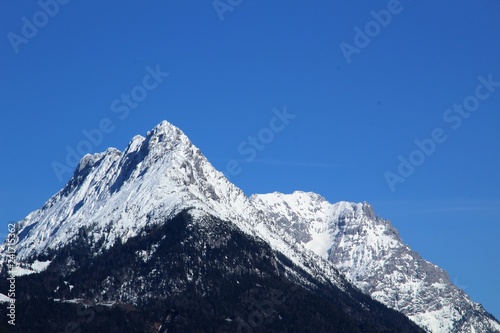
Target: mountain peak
(165,131)
(156,176)
(135,144)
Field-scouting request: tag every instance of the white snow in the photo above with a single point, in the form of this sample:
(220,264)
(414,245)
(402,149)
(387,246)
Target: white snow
(40,266)
(19,271)
(4,298)
(495,325)
(35,267)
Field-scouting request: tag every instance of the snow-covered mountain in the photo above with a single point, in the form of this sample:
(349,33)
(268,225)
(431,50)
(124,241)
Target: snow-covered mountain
(371,254)
(115,196)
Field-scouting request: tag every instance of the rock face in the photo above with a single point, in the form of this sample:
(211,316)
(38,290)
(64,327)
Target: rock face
(115,198)
(369,252)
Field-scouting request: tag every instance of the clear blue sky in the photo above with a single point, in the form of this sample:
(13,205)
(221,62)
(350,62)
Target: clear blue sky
(353,120)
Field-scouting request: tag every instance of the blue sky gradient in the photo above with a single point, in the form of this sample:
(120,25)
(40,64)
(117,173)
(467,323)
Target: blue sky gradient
(229,67)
